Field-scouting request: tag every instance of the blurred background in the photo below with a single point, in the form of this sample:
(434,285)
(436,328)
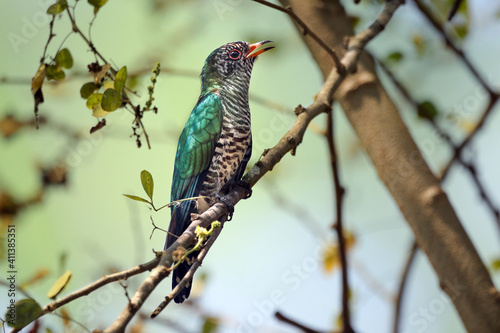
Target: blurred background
(62,187)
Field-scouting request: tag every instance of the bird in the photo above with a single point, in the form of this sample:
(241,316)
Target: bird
(216,142)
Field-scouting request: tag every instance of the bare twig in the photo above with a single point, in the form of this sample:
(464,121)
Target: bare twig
(454,9)
(339,196)
(402,286)
(51,35)
(307,31)
(283,318)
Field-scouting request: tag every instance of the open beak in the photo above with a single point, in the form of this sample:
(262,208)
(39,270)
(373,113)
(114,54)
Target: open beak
(256,49)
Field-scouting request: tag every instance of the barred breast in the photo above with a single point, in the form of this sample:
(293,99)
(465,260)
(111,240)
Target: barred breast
(229,152)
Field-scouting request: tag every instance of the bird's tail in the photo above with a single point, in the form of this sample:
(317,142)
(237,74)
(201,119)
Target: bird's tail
(179,221)
(178,275)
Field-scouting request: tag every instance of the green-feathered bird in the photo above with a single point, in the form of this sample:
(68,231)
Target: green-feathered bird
(216,142)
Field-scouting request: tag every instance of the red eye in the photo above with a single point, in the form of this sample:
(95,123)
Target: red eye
(234,54)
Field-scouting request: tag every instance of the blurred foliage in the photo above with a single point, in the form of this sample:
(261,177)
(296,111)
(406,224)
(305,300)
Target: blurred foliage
(59,285)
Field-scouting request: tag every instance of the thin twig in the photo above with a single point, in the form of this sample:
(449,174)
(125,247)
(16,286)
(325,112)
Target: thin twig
(283,318)
(402,286)
(339,196)
(307,31)
(454,9)
(493,101)
(51,35)
(89,43)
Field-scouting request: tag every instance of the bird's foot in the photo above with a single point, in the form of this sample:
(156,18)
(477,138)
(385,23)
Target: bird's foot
(234,183)
(228,203)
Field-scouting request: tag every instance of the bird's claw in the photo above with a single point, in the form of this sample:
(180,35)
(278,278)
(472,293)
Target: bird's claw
(234,183)
(228,203)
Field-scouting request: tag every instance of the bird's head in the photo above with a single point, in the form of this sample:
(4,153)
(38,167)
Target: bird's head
(232,63)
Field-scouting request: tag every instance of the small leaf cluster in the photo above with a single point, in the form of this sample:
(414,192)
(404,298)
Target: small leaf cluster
(52,70)
(112,95)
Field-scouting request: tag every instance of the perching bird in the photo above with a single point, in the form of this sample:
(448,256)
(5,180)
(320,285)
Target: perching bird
(216,142)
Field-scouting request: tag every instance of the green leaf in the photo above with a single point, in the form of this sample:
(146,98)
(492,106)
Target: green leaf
(59,285)
(121,78)
(147,183)
(427,110)
(88,89)
(22,313)
(210,325)
(54,72)
(93,100)
(136,198)
(395,57)
(111,100)
(64,59)
(97,4)
(57,8)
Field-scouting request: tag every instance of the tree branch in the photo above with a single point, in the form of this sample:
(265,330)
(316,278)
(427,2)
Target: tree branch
(289,321)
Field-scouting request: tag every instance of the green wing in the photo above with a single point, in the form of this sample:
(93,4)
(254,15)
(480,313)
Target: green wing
(196,147)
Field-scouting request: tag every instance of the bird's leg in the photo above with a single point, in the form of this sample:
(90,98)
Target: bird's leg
(228,203)
(234,183)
